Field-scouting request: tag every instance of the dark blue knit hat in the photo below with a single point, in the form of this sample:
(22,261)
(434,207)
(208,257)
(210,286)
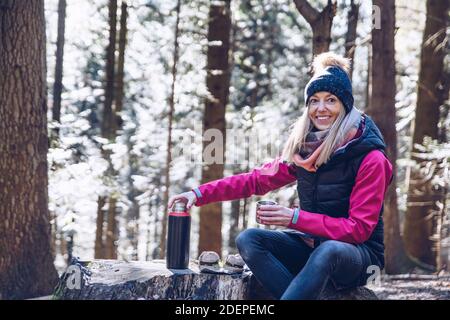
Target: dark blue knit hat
(335,80)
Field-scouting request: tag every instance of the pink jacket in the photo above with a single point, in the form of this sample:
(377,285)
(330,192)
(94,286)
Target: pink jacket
(372,180)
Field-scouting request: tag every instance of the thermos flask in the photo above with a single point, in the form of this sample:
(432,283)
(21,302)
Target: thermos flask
(178,237)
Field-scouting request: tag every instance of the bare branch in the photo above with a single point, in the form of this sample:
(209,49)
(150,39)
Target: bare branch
(307,11)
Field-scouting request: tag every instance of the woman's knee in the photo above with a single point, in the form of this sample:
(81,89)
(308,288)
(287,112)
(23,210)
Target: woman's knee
(330,250)
(247,237)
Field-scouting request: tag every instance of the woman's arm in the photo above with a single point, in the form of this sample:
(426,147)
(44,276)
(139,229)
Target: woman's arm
(373,178)
(259,181)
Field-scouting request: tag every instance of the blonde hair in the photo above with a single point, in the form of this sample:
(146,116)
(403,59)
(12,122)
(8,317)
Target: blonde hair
(303,125)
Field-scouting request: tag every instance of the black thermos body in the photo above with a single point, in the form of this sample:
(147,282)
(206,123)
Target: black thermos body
(178,237)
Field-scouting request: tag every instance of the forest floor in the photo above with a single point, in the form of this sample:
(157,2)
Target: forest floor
(413,287)
(402,287)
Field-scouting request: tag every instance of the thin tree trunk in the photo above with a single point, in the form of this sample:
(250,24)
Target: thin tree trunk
(253,103)
(26,262)
(162,253)
(115,119)
(218,83)
(156,233)
(244,214)
(150,240)
(134,229)
(320,22)
(234,224)
(111,231)
(99,248)
(54,234)
(350,37)
(70,244)
(121,63)
(421,222)
(236,204)
(148,254)
(58,86)
(133,213)
(63,244)
(109,122)
(383,113)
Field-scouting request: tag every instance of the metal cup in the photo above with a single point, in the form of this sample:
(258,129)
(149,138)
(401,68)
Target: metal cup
(265,203)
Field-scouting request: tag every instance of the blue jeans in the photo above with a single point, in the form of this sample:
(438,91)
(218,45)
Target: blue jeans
(291,270)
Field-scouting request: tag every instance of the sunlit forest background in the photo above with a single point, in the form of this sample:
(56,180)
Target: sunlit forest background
(271,51)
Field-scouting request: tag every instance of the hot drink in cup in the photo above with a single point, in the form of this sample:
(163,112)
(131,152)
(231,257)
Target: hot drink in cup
(263,203)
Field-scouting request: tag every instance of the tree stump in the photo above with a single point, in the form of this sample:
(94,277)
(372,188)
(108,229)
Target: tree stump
(151,280)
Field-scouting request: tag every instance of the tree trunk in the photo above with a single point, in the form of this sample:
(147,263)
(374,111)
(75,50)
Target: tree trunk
(218,83)
(59,55)
(111,230)
(121,63)
(154,206)
(246,201)
(244,213)
(234,220)
(109,126)
(58,86)
(350,37)
(320,22)
(133,229)
(26,262)
(136,280)
(421,222)
(234,225)
(150,240)
(108,121)
(156,234)
(53,233)
(383,113)
(162,253)
(133,213)
(99,243)
(63,244)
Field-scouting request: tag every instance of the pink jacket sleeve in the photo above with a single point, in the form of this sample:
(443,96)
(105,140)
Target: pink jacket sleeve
(366,199)
(259,181)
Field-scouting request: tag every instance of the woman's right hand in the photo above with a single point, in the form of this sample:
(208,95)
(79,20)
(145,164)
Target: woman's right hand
(188,197)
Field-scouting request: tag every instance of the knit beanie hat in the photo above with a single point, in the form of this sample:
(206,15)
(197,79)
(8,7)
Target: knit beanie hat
(330,75)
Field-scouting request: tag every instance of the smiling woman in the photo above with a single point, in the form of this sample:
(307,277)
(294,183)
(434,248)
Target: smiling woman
(323,109)
(330,120)
(336,155)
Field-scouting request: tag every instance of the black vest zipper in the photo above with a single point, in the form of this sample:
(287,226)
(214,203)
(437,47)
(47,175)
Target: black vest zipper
(314,207)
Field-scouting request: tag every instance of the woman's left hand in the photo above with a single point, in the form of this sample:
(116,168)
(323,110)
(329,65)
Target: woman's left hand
(275,215)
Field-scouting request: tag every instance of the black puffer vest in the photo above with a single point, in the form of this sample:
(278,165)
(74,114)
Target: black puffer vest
(327,191)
